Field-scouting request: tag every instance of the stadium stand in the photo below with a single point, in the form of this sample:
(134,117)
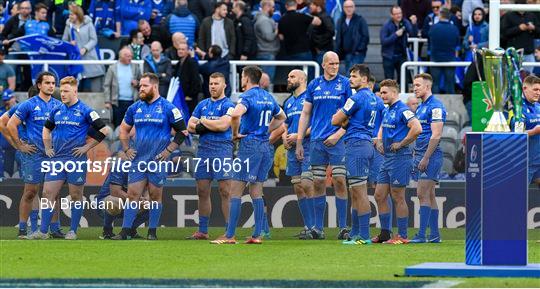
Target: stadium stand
(375,12)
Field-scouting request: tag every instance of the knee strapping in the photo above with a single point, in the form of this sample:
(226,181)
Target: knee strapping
(339,171)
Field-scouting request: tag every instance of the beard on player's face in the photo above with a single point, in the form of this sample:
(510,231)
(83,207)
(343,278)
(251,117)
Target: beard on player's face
(147,96)
(292,86)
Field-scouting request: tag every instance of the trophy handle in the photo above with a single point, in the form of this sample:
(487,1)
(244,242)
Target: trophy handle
(475,59)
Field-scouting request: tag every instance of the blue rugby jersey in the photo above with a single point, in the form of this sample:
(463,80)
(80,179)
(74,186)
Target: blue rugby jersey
(430,111)
(378,117)
(261,108)
(394,123)
(153,123)
(293,109)
(213,110)
(34,112)
(71,127)
(326,97)
(361,108)
(531,113)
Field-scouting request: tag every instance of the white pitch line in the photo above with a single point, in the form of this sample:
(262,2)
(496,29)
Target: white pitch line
(442,284)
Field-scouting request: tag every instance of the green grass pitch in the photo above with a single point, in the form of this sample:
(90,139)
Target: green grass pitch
(280,259)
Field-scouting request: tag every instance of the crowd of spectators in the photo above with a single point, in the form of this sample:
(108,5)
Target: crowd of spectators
(160,31)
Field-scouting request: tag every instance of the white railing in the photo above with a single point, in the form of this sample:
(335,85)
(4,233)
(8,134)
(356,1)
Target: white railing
(495,8)
(233,63)
(403,76)
(416,48)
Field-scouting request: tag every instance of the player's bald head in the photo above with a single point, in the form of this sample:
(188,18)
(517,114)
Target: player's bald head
(299,74)
(330,64)
(330,56)
(295,79)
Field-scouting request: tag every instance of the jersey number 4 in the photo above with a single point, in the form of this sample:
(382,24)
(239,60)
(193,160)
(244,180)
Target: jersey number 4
(265,117)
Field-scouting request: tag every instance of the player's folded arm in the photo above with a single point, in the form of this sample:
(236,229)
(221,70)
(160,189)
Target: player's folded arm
(180,128)
(192,123)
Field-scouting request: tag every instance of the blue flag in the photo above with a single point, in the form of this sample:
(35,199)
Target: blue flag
(49,48)
(334,9)
(179,100)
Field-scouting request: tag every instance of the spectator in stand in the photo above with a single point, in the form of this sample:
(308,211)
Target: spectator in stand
(177,39)
(80,32)
(131,11)
(187,69)
(218,30)
(393,35)
(23,72)
(266,33)
(521,28)
(352,37)
(433,18)
(215,63)
(303,6)
(154,33)
(276,13)
(230,13)
(103,12)
(293,31)
(419,8)
(14,23)
(182,20)
(120,87)
(38,25)
(322,35)
(467,9)
(139,49)
(477,33)
(246,43)
(160,65)
(444,43)
(7,74)
(13,11)
(160,9)
(3,17)
(456,12)
(536,70)
(201,8)
(61,11)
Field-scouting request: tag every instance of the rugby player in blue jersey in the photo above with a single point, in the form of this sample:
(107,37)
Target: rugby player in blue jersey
(6,112)
(64,139)
(399,129)
(153,117)
(325,95)
(299,171)
(378,158)
(32,114)
(255,116)
(358,117)
(531,113)
(113,190)
(428,157)
(211,120)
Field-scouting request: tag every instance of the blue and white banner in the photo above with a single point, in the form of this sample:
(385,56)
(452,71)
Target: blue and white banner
(49,48)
